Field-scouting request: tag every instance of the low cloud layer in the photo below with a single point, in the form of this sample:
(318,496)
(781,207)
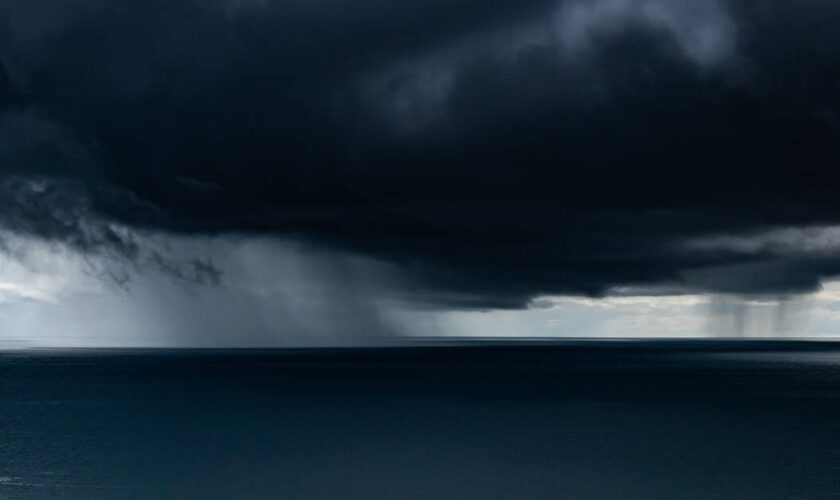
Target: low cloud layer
(486,152)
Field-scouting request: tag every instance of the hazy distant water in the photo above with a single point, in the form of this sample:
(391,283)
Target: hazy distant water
(579,421)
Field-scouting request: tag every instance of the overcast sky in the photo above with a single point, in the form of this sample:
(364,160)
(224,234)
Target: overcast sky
(322,172)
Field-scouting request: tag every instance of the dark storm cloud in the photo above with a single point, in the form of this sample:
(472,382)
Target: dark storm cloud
(495,150)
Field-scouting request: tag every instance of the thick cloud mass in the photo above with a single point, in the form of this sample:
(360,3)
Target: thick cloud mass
(494,150)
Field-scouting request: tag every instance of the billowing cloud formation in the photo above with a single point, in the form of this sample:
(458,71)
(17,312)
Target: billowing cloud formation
(702,30)
(494,151)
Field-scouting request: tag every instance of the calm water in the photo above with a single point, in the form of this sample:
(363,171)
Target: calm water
(681,420)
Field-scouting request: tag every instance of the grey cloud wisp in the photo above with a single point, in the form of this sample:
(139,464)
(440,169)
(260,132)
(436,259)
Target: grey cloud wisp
(493,151)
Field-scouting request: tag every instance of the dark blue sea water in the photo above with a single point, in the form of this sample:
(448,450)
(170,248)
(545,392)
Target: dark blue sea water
(577,420)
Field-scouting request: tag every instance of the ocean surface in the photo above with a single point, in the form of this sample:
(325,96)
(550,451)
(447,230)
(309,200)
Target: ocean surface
(572,420)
